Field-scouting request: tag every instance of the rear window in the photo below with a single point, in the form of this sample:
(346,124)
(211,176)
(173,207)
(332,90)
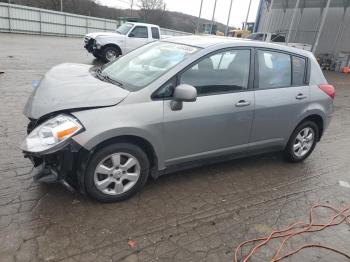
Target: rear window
(278,38)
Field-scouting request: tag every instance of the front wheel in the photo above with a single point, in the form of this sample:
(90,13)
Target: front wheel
(110,53)
(302,142)
(116,172)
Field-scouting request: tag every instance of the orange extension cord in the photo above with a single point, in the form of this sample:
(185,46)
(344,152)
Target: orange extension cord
(298,228)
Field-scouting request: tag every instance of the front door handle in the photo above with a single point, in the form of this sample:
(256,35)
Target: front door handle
(242,103)
(300,96)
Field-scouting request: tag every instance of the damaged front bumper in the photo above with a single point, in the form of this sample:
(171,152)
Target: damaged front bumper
(60,166)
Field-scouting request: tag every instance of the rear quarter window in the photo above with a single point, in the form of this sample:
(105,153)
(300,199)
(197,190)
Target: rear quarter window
(299,70)
(155,33)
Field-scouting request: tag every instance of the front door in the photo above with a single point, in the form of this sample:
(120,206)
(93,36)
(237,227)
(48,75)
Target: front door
(220,120)
(137,37)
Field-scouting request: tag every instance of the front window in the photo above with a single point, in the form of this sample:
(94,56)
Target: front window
(139,32)
(222,72)
(124,28)
(147,63)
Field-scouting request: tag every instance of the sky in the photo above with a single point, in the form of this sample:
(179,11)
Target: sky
(191,7)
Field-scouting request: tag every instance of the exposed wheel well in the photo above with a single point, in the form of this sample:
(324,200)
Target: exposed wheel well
(115,46)
(317,119)
(138,141)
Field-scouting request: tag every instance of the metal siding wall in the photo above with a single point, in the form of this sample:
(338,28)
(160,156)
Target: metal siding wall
(41,21)
(344,40)
(110,26)
(22,25)
(4,23)
(306,26)
(96,24)
(165,31)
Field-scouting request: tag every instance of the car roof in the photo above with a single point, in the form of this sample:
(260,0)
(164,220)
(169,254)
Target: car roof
(226,42)
(143,24)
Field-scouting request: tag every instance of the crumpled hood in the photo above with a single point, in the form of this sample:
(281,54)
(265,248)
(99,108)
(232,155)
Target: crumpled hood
(71,86)
(96,34)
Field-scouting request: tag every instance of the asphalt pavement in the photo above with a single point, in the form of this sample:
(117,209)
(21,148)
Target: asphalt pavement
(200,214)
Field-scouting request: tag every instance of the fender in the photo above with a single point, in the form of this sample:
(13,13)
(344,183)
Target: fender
(126,131)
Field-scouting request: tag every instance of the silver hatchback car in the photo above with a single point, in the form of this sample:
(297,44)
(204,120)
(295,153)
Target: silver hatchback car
(173,104)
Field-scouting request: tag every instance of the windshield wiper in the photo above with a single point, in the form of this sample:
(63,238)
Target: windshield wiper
(107,78)
(113,81)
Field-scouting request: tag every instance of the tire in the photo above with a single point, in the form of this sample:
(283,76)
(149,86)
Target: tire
(107,53)
(297,150)
(107,173)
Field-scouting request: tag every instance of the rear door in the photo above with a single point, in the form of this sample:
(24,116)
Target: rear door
(281,96)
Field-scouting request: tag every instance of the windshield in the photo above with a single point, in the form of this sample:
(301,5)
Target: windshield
(124,28)
(145,64)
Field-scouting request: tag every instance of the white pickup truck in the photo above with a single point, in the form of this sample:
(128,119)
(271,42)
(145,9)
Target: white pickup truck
(278,38)
(129,36)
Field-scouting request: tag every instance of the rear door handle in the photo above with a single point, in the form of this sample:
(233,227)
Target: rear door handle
(242,103)
(300,96)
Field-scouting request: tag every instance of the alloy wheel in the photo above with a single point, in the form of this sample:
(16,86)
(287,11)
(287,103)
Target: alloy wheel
(117,173)
(111,55)
(303,142)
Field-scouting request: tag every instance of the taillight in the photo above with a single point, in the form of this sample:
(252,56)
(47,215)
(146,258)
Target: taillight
(328,89)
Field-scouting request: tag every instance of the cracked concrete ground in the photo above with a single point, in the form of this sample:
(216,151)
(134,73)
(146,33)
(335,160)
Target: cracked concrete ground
(200,214)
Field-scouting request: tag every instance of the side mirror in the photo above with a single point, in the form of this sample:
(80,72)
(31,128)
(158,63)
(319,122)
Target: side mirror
(131,34)
(183,93)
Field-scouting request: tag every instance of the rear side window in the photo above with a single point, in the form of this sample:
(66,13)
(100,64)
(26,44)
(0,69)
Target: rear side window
(155,33)
(299,71)
(274,69)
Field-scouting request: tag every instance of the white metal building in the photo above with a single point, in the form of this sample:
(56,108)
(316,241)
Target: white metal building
(324,24)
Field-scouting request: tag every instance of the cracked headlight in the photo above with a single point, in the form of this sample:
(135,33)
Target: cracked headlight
(51,133)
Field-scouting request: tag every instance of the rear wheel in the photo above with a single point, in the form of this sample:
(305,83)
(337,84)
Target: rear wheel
(116,172)
(110,53)
(302,142)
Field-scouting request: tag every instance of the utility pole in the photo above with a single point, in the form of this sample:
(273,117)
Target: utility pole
(212,19)
(324,15)
(246,19)
(228,18)
(131,6)
(296,7)
(61,5)
(199,16)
